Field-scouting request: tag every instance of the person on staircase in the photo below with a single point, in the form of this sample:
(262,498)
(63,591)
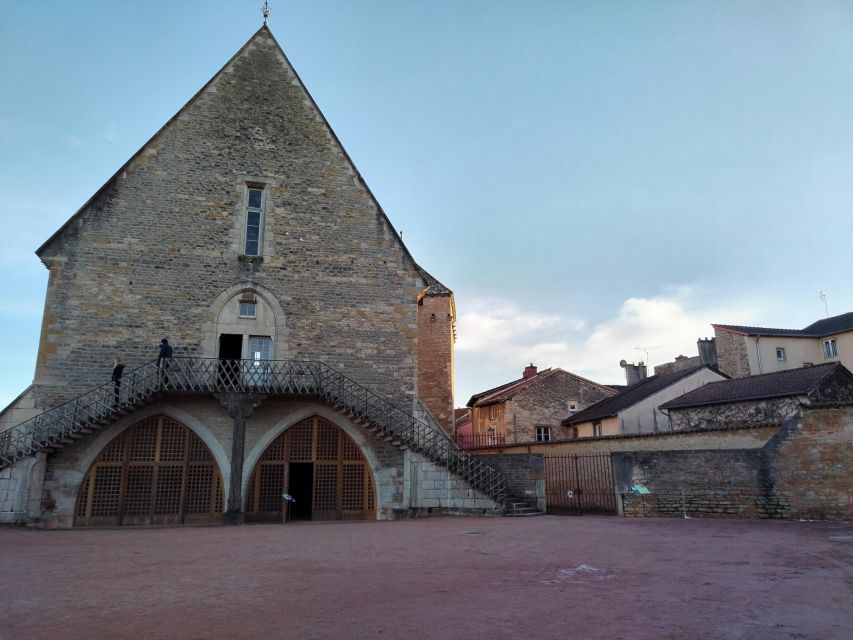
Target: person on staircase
(163,360)
(118,369)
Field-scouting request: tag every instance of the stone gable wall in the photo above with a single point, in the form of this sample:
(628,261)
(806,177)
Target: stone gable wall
(732,357)
(544,404)
(151,253)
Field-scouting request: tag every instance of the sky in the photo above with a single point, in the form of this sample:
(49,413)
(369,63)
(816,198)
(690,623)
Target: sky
(596,181)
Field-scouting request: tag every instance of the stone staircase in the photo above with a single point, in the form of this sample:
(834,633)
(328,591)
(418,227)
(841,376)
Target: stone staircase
(521,508)
(101,407)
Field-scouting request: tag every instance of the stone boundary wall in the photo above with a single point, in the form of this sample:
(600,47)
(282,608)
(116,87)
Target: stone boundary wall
(804,472)
(525,475)
(753,437)
(722,484)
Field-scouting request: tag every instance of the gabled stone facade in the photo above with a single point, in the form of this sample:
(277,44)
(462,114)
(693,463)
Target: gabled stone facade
(166,249)
(158,251)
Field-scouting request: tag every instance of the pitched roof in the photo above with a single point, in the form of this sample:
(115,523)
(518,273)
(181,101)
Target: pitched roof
(780,384)
(434,287)
(819,329)
(630,396)
(262,33)
(508,390)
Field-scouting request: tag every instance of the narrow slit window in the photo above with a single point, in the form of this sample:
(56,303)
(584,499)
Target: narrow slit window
(254,222)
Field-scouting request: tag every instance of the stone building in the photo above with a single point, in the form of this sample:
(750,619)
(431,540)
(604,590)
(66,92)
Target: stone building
(313,355)
(744,350)
(770,398)
(531,408)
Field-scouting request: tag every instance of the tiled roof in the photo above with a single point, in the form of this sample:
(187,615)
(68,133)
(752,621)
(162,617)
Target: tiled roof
(819,329)
(781,384)
(630,396)
(434,287)
(508,390)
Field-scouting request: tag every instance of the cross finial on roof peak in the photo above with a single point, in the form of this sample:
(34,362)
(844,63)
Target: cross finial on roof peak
(265,11)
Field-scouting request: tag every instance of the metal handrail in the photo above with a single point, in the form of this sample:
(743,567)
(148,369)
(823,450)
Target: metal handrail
(106,403)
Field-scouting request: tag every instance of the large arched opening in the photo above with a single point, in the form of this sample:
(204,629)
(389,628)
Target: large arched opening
(317,465)
(158,471)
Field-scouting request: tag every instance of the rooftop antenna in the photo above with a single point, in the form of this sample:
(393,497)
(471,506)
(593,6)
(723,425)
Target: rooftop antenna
(265,11)
(825,306)
(646,351)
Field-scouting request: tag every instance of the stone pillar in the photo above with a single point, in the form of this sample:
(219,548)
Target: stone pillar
(240,407)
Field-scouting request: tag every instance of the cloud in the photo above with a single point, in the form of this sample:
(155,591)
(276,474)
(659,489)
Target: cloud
(498,327)
(496,338)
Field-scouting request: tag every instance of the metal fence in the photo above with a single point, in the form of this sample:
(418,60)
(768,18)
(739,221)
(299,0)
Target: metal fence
(480,440)
(578,484)
(107,403)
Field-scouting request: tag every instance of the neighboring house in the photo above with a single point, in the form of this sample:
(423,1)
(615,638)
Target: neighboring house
(463,433)
(636,409)
(769,398)
(305,334)
(743,351)
(530,409)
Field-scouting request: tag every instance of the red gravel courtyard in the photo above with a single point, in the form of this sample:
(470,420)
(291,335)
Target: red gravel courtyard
(543,577)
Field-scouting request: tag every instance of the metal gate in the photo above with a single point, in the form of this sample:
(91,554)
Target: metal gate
(339,482)
(578,484)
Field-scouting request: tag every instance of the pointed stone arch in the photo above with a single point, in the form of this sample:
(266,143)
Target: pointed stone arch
(315,461)
(156,471)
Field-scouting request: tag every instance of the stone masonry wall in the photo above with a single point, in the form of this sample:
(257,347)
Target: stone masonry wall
(732,357)
(544,404)
(147,257)
(525,474)
(805,471)
(714,484)
(811,463)
(753,412)
(435,357)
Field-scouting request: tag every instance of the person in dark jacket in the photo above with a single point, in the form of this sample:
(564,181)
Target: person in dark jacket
(163,359)
(118,369)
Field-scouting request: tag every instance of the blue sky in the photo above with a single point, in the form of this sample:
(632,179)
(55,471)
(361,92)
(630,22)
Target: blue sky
(589,177)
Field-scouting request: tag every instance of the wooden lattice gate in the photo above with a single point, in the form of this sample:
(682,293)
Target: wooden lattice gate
(578,484)
(316,462)
(157,472)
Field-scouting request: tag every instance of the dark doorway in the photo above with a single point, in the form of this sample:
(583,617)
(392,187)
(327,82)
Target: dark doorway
(230,352)
(300,485)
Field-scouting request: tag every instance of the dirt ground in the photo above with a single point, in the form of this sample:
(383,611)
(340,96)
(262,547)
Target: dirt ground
(542,577)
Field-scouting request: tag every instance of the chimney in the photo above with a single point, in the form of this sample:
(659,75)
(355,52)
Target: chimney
(529,371)
(707,351)
(681,357)
(634,373)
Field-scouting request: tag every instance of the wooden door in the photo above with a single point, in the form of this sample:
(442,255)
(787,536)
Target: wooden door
(341,482)
(157,472)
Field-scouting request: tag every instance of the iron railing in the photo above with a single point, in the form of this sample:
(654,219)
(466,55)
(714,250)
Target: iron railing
(107,403)
(480,440)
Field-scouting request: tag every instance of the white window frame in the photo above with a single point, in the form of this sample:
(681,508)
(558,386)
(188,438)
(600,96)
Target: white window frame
(248,210)
(240,313)
(543,434)
(830,349)
(572,406)
(780,354)
(596,429)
